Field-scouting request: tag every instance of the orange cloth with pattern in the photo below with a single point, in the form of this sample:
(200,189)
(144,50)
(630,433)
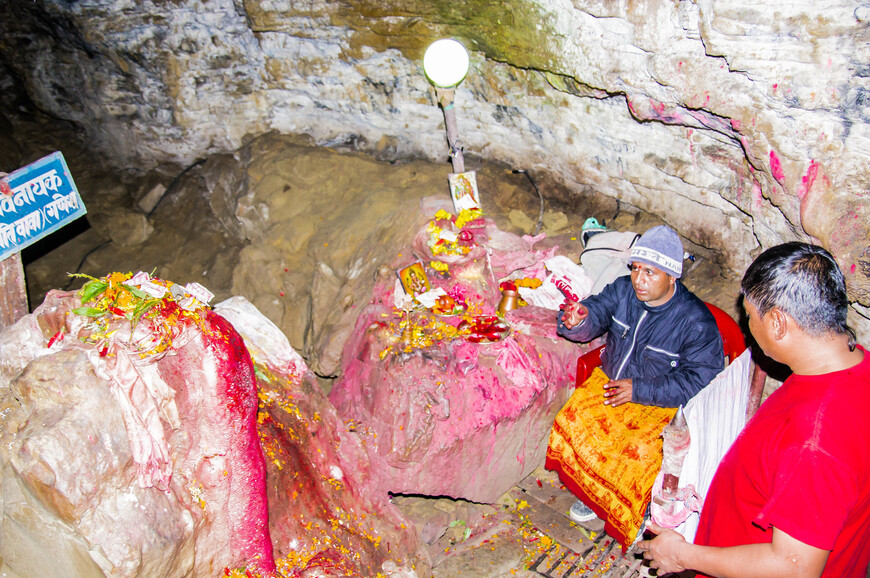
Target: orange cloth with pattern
(608,456)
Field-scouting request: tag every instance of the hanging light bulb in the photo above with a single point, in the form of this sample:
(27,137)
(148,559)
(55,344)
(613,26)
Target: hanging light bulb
(445,63)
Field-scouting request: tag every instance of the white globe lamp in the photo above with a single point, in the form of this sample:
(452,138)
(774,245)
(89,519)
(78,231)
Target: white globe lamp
(445,63)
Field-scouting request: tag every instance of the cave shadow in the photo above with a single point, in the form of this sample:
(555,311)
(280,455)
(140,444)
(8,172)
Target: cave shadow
(55,240)
(774,369)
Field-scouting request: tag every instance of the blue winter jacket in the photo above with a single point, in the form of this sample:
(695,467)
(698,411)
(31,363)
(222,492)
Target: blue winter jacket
(670,352)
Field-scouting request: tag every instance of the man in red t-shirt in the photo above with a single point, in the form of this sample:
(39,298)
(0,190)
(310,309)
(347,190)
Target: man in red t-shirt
(792,495)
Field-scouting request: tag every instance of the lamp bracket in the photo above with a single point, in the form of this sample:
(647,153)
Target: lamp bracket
(445,97)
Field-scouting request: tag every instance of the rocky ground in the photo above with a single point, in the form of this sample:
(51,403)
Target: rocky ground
(526,534)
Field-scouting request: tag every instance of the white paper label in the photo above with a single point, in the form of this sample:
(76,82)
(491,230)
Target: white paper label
(153,289)
(202,294)
(448,236)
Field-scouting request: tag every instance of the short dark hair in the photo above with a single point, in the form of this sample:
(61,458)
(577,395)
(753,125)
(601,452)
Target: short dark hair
(804,282)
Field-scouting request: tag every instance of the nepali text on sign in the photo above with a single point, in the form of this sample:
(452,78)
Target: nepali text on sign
(44,198)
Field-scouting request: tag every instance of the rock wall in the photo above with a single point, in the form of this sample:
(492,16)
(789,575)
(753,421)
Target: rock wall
(741,124)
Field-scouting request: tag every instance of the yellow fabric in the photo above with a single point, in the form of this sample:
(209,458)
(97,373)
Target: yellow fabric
(608,456)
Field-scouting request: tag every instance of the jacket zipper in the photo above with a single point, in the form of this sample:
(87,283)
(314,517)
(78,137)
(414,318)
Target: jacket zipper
(663,351)
(624,327)
(630,349)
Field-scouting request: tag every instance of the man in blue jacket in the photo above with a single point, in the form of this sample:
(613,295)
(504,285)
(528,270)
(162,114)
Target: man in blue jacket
(662,348)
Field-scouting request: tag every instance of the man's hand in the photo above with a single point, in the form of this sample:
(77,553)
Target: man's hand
(782,556)
(617,392)
(574,313)
(662,550)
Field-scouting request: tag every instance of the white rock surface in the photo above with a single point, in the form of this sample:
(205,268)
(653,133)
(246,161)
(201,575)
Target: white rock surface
(742,124)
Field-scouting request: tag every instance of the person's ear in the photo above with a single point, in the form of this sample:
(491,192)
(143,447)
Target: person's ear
(778,323)
(672,280)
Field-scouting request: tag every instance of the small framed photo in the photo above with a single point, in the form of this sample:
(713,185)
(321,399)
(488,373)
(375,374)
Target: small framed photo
(414,279)
(463,190)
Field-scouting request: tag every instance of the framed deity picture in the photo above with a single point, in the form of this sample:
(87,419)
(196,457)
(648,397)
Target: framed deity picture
(414,279)
(463,190)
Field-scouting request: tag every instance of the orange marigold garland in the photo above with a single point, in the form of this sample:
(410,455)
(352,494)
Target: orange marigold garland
(446,235)
(136,298)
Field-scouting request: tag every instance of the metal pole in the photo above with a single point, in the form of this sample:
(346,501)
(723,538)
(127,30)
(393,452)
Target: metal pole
(445,99)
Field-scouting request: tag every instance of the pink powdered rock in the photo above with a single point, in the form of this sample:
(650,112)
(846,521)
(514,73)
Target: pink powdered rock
(217,403)
(184,485)
(326,516)
(531,320)
(456,418)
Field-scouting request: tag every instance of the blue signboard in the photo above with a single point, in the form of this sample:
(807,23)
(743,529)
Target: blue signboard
(44,198)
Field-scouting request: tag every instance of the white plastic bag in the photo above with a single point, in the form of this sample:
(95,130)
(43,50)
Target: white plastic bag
(605,257)
(566,277)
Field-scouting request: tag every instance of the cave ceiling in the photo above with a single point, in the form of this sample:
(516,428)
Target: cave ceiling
(741,124)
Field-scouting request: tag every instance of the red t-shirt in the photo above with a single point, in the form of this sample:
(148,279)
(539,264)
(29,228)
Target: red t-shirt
(802,464)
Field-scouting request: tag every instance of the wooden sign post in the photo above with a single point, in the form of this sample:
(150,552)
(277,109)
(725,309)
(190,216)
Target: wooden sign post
(35,201)
(13,297)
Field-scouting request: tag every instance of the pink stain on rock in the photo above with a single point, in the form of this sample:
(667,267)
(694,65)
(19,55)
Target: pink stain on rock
(757,197)
(776,167)
(808,179)
(230,414)
(816,216)
(458,419)
(216,393)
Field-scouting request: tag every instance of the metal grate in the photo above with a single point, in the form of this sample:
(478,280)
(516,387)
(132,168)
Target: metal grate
(603,559)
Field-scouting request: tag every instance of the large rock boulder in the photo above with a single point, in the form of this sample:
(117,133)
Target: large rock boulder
(446,415)
(142,447)
(133,445)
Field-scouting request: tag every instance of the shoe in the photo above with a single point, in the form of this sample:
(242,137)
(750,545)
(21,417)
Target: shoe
(590,227)
(580,512)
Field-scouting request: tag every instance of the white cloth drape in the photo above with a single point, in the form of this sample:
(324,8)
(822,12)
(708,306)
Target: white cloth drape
(715,417)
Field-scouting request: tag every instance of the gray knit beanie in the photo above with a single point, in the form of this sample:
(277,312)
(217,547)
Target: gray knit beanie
(660,247)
